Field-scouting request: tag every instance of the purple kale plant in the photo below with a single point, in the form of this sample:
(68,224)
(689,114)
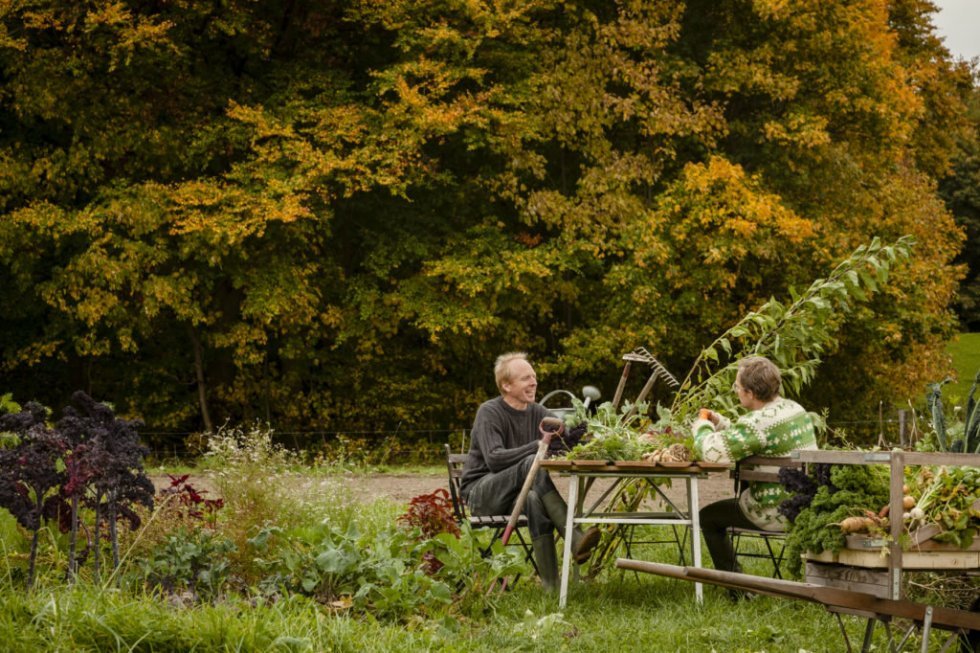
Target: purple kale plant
(105,469)
(31,472)
(89,459)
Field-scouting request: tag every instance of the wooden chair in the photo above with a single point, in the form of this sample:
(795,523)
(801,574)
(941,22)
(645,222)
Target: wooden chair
(762,469)
(494,523)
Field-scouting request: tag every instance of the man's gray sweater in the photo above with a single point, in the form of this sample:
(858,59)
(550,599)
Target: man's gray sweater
(501,436)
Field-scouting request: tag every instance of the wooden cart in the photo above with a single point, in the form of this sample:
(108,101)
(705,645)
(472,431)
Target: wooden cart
(877,567)
(866,579)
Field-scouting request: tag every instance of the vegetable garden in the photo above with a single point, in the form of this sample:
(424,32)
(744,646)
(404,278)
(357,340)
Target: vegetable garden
(97,558)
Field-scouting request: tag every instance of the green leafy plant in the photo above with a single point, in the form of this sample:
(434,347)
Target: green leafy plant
(193,561)
(848,491)
(795,335)
(610,434)
(946,497)
(383,573)
(961,435)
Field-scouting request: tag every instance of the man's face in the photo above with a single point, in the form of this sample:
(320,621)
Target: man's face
(744,396)
(522,386)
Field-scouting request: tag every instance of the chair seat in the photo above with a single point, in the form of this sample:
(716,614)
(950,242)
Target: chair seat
(495,523)
(758,532)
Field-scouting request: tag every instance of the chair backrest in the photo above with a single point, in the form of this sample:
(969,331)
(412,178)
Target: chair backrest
(454,464)
(764,469)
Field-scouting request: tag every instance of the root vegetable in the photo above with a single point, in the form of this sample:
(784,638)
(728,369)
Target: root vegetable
(908,502)
(917,514)
(853,524)
(884,511)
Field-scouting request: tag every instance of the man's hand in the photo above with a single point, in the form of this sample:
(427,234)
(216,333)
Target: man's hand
(710,415)
(551,427)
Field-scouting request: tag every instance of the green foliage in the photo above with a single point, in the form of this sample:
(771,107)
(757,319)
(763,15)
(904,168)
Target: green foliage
(188,561)
(960,191)
(8,405)
(382,572)
(325,214)
(625,434)
(963,435)
(795,336)
(946,497)
(853,489)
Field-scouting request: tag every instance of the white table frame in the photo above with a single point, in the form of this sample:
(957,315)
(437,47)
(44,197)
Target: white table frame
(580,481)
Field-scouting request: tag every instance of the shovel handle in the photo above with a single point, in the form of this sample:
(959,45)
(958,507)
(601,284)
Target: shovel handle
(546,426)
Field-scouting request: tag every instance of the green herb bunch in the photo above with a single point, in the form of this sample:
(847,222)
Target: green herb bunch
(948,497)
(625,434)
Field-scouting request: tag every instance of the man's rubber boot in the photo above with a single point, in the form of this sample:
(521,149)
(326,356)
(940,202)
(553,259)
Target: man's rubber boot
(546,560)
(582,543)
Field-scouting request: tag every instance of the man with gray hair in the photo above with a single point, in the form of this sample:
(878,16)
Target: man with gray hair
(774,426)
(504,441)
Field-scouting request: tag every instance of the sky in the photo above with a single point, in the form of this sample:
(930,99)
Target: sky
(958,21)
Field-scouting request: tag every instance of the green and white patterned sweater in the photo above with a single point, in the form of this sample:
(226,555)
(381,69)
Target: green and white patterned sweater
(777,428)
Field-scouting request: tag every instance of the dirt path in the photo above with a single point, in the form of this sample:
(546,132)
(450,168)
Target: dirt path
(400,488)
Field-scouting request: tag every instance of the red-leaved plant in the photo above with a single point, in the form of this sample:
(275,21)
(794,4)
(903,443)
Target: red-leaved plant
(431,514)
(189,502)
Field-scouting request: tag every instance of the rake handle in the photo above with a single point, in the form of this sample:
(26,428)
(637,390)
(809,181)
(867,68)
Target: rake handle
(622,384)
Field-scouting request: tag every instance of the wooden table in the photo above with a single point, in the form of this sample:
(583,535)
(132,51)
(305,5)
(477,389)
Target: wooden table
(583,474)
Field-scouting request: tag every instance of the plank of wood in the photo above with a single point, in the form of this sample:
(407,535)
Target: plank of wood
(857,579)
(827,596)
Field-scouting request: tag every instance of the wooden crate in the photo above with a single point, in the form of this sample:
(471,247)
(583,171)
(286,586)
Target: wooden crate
(855,579)
(878,559)
(921,540)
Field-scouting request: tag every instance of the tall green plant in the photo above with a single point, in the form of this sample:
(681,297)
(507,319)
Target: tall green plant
(793,335)
(946,438)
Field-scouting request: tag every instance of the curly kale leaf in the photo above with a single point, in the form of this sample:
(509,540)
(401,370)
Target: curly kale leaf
(852,490)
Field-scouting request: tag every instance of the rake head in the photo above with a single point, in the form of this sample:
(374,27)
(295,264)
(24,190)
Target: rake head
(641,355)
(662,372)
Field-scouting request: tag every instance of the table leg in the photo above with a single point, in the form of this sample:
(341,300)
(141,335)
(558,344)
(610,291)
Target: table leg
(566,558)
(693,514)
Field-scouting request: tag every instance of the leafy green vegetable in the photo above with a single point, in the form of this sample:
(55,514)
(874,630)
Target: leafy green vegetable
(853,489)
(624,435)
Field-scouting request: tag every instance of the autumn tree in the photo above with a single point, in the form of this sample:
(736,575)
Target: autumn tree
(333,215)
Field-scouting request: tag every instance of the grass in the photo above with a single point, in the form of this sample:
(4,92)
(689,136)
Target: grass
(652,615)
(965,350)
(616,612)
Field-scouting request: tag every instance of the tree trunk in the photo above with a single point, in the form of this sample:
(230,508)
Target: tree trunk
(202,395)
